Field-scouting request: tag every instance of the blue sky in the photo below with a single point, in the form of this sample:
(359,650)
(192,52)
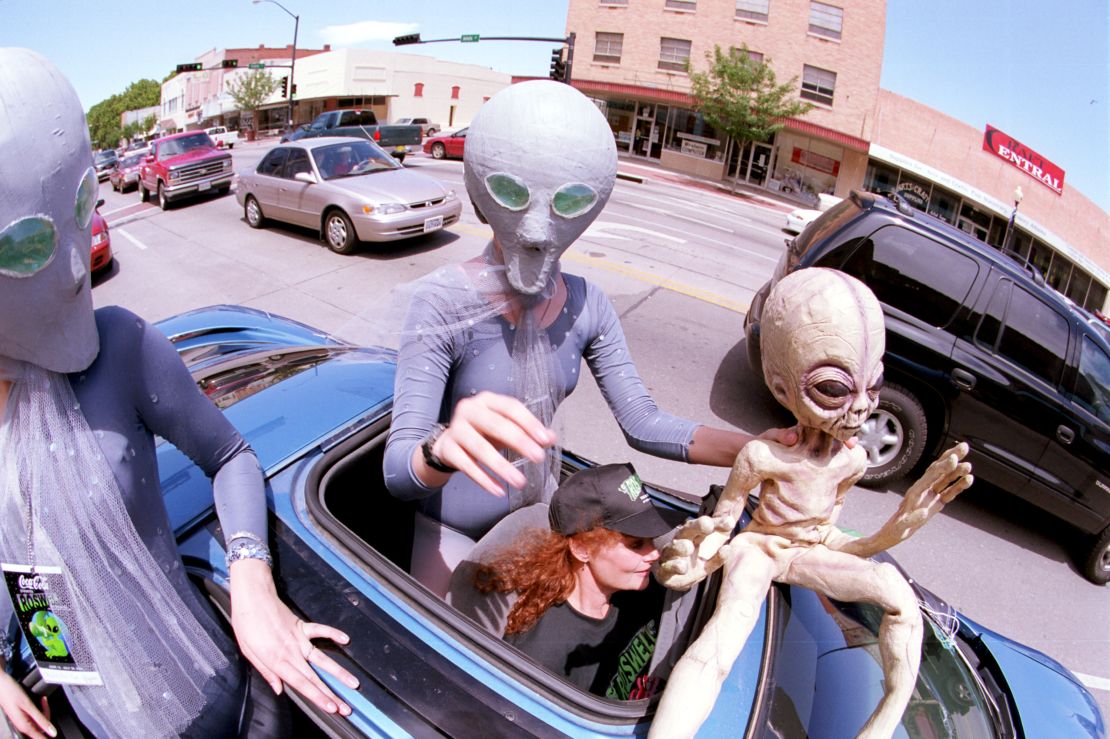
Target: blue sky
(1036,69)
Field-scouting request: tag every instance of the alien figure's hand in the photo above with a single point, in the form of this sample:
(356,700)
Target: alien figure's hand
(942,482)
(699,547)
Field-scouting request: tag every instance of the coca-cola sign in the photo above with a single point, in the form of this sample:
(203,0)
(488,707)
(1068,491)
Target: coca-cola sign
(1021,156)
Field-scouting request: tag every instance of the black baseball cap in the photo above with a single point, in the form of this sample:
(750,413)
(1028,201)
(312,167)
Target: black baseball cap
(610,496)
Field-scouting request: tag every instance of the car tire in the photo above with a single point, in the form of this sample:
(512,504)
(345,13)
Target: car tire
(894,436)
(252,211)
(1097,566)
(439,151)
(163,201)
(339,232)
(144,194)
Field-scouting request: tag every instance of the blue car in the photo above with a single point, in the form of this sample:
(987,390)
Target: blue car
(317,412)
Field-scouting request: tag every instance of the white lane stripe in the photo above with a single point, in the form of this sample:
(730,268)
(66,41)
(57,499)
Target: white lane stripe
(131,238)
(1091,681)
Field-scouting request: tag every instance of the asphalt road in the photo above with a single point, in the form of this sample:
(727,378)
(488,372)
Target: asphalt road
(680,261)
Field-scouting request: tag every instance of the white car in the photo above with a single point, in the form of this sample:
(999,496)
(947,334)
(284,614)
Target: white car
(222,136)
(799,218)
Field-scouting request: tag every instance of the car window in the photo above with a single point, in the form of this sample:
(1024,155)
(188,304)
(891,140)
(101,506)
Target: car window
(273,163)
(296,163)
(1092,385)
(352,158)
(1034,336)
(358,118)
(990,327)
(913,273)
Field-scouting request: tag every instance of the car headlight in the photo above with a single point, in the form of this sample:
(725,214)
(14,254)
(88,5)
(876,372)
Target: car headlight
(451,195)
(227,164)
(174,175)
(384,209)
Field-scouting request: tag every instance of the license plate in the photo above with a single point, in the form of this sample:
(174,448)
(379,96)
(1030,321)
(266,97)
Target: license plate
(433,224)
(204,186)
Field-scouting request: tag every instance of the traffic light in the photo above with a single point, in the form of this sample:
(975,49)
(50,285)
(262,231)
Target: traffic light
(229,63)
(293,89)
(285,87)
(412,38)
(558,66)
(190,67)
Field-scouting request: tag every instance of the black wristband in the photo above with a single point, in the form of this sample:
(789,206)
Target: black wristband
(430,458)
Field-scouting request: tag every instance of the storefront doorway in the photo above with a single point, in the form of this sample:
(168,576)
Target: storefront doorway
(648,133)
(750,163)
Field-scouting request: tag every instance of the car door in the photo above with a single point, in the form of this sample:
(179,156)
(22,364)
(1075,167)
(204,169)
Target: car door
(294,196)
(456,143)
(268,181)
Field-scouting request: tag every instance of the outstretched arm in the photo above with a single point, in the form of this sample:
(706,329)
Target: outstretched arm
(942,482)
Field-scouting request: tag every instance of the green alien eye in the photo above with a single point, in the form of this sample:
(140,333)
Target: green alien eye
(27,246)
(573,199)
(86,198)
(507,190)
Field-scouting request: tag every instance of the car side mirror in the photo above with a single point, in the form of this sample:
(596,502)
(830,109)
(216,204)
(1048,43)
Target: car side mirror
(306,177)
(149,159)
(99,203)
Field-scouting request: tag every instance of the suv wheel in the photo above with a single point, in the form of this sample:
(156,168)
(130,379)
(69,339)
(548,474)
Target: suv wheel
(894,436)
(163,201)
(1097,567)
(144,194)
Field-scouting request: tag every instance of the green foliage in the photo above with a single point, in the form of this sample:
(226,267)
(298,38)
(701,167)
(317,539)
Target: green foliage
(740,96)
(250,90)
(103,118)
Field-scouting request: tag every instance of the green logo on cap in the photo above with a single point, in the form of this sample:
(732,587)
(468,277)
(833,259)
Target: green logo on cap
(632,487)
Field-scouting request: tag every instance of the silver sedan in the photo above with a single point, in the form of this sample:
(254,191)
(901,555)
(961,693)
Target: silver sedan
(349,189)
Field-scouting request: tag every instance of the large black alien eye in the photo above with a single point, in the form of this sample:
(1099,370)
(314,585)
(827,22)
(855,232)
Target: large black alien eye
(876,386)
(829,393)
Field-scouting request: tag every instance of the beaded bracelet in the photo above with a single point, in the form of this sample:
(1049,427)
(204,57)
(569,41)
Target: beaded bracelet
(245,545)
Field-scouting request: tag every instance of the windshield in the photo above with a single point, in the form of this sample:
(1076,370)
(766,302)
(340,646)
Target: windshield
(131,160)
(173,147)
(105,156)
(351,159)
(825,672)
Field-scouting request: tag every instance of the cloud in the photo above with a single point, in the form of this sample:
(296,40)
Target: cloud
(355,33)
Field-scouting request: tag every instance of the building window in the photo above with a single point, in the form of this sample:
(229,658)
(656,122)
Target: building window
(607,47)
(454,92)
(614,2)
(418,90)
(755,56)
(687,5)
(674,54)
(818,84)
(753,10)
(825,20)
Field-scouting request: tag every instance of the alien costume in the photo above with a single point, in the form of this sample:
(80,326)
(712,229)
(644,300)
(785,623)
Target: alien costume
(540,165)
(79,482)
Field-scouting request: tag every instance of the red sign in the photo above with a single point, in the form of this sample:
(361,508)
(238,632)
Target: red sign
(1024,158)
(815,161)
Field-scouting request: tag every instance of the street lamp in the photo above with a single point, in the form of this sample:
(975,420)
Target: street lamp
(293,58)
(1018,195)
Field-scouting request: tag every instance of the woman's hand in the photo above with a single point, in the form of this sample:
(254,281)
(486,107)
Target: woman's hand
(278,643)
(480,426)
(22,712)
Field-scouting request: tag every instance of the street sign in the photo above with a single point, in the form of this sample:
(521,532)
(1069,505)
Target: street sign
(468,37)
(256,65)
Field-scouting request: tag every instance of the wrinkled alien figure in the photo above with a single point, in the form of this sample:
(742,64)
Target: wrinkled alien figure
(822,343)
(46,627)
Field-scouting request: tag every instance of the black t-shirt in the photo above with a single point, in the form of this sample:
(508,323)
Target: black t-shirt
(609,656)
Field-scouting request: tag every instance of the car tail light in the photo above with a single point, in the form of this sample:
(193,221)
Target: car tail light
(378,135)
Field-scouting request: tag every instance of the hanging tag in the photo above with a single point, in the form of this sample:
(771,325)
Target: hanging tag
(50,624)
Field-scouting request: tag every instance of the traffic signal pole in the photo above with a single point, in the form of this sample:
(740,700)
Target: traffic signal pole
(564,65)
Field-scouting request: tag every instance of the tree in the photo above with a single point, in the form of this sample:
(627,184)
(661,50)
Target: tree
(250,90)
(739,96)
(103,118)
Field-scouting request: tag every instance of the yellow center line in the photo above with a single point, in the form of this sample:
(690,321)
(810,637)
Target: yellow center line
(666,283)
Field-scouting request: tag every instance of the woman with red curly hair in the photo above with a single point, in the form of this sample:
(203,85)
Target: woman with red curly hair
(581,609)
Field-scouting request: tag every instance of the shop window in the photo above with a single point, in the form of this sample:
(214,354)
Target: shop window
(880,179)
(974,221)
(1040,256)
(818,84)
(1059,272)
(753,10)
(454,92)
(620,114)
(914,191)
(692,135)
(1096,296)
(674,54)
(607,47)
(1078,286)
(943,205)
(825,20)
(418,90)
(688,6)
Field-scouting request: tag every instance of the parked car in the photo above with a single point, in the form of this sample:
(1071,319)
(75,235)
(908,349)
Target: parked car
(427,128)
(799,218)
(398,140)
(317,412)
(103,162)
(350,190)
(125,174)
(296,134)
(101,258)
(979,349)
(223,136)
(183,165)
(447,145)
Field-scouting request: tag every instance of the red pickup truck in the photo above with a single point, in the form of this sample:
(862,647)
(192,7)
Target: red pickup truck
(182,165)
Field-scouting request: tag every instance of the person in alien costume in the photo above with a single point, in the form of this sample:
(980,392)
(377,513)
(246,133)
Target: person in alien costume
(491,347)
(823,339)
(82,396)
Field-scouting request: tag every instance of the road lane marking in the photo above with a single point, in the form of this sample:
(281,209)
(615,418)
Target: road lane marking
(1091,681)
(600,229)
(131,238)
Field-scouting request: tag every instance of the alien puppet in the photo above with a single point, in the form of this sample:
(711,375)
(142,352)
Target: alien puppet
(822,342)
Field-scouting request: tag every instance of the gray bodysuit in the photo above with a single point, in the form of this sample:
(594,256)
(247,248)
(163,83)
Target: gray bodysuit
(434,373)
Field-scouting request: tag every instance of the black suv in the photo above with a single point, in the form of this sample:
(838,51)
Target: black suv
(978,349)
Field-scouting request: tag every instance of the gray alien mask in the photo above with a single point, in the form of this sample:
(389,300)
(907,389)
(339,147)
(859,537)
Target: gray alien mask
(540,164)
(48,191)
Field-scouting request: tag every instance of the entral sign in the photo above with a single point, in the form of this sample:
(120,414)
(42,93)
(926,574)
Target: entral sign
(1024,158)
